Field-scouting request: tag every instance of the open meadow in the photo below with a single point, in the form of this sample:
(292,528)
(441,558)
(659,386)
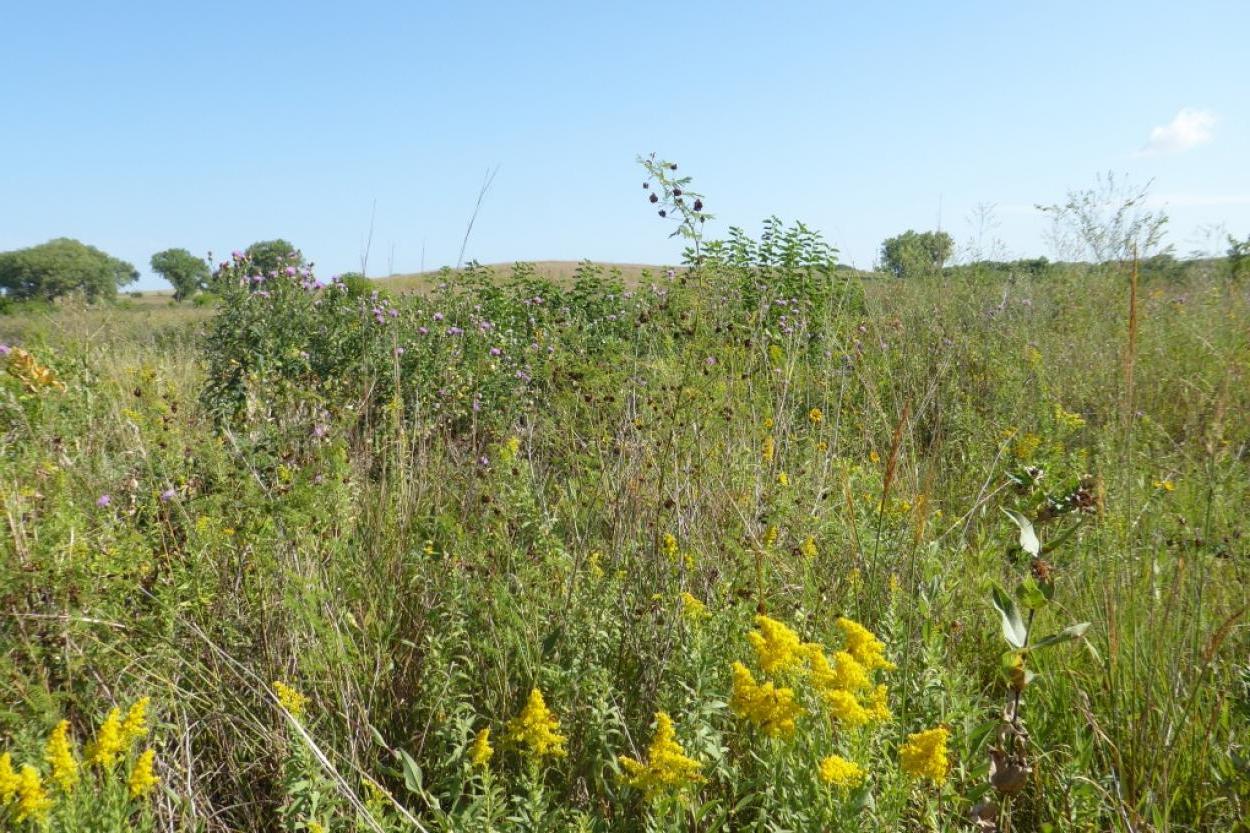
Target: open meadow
(755,545)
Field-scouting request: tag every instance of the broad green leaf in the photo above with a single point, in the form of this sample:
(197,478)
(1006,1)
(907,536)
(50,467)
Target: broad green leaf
(1030,594)
(412,774)
(1014,630)
(1028,538)
(1068,634)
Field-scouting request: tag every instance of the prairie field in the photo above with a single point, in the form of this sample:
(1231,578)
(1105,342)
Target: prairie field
(755,544)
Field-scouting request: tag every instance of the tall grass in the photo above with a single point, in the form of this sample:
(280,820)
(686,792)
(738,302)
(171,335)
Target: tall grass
(415,577)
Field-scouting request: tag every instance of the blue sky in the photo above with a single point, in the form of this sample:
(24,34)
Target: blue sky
(138,126)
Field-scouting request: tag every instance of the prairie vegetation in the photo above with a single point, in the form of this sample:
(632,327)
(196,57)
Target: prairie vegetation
(754,544)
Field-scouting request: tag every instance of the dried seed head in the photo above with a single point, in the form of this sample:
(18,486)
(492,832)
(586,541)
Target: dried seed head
(663,213)
(698,205)
(654,198)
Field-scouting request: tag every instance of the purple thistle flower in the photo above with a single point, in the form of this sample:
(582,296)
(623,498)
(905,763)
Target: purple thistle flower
(103,501)
(438,316)
(423,330)
(495,351)
(168,495)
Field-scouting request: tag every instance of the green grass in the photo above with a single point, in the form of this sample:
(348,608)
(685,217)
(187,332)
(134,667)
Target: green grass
(347,537)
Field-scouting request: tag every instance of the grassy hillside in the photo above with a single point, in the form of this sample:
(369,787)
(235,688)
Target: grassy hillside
(762,547)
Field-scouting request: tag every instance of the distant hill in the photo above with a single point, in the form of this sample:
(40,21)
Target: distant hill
(559,271)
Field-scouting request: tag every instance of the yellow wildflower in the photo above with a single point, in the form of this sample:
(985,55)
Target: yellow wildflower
(878,706)
(314,826)
(808,547)
(135,726)
(822,446)
(32,799)
(1026,447)
(768,423)
(845,707)
(59,753)
(768,450)
(595,563)
(8,779)
(772,709)
(537,728)
(874,457)
(863,646)
(693,610)
(815,416)
(1067,419)
(668,768)
(783,479)
(770,535)
(109,741)
(481,751)
(1165,485)
(924,755)
(668,546)
(839,772)
(777,646)
(290,699)
(849,674)
(142,778)
(510,448)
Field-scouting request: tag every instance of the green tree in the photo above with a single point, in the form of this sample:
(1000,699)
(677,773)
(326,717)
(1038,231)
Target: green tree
(916,254)
(62,266)
(1238,257)
(271,255)
(186,273)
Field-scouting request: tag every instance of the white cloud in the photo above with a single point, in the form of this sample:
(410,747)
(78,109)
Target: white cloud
(1189,128)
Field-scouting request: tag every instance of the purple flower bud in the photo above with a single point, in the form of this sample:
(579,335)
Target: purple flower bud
(495,351)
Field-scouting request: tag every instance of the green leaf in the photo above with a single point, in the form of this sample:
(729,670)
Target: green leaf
(1031,595)
(1014,630)
(1028,538)
(412,773)
(1068,634)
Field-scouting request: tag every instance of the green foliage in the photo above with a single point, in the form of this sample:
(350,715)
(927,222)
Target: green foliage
(185,272)
(60,267)
(916,254)
(416,509)
(269,256)
(1238,258)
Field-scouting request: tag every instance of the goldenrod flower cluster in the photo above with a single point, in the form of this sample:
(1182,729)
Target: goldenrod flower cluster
(668,769)
(290,699)
(693,610)
(59,754)
(26,794)
(142,779)
(771,708)
(537,729)
(768,450)
(842,682)
(777,647)
(924,755)
(668,546)
(480,751)
(837,771)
